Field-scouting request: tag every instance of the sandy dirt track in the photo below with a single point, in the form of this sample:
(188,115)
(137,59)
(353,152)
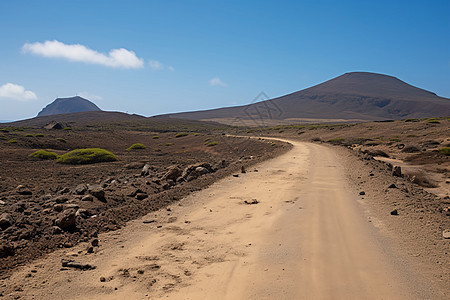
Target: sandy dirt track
(306,238)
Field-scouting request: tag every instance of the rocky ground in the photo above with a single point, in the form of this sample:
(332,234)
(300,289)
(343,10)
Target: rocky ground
(45,205)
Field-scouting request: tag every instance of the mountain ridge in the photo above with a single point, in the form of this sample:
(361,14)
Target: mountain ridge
(353,96)
(68,105)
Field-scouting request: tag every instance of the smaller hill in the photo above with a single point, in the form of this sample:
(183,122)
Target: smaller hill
(68,106)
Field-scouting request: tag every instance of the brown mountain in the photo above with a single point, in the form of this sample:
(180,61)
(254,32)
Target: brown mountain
(67,106)
(356,96)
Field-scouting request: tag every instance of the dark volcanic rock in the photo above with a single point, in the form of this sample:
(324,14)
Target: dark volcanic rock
(6,220)
(67,220)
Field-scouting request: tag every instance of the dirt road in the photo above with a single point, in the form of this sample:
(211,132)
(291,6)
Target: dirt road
(307,237)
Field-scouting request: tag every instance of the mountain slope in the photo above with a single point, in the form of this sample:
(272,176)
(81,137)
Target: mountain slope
(358,96)
(67,106)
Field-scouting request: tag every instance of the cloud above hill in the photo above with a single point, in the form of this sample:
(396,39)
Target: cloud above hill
(216,81)
(16,92)
(116,58)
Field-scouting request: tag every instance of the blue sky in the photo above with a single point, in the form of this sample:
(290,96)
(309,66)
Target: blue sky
(190,55)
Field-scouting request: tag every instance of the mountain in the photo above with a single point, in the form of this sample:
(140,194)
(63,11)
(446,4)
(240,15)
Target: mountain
(67,106)
(355,96)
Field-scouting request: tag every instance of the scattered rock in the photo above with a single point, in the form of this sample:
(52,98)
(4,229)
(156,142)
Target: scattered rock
(87,198)
(235,175)
(394,212)
(446,234)
(90,249)
(61,199)
(6,250)
(83,213)
(243,171)
(145,170)
(22,190)
(134,165)
(148,221)
(94,242)
(68,263)
(97,191)
(194,171)
(141,196)
(6,220)
(172,173)
(392,186)
(67,220)
(397,171)
(362,193)
(58,207)
(81,189)
(253,201)
(102,279)
(64,191)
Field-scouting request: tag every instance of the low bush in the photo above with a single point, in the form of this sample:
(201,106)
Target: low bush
(39,135)
(210,143)
(336,140)
(86,156)
(44,154)
(433,121)
(169,144)
(12,141)
(445,150)
(67,128)
(411,120)
(155,137)
(61,140)
(136,146)
(181,134)
(29,135)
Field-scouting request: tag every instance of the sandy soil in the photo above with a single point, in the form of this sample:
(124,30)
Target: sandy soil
(294,227)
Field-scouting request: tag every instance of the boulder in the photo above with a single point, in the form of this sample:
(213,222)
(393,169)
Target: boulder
(172,173)
(194,171)
(61,199)
(6,250)
(81,189)
(397,171)
(67,220)
(141,196)
(97,191)
(83,213)
(145,170)
(6,220)
(22,190)
(87,198)
(394,212)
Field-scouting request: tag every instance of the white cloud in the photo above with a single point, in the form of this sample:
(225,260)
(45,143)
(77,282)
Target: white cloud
(156,65)
(90,96)
(16,92)
(116,58)
(216,82)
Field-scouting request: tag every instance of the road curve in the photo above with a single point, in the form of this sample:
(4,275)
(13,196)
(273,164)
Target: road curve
(305,238)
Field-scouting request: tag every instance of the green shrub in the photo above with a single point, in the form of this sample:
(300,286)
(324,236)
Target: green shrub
(210,143)
(169,144)
(207,139)
(445,150)
(67,128)
(61,140)
(29,135)
(4,129)
(39,135)
(181,134)
(136,146)
(155,137)
(411,120)
(2,137)
(432,121)
(86,156)
(336,140)
(12,141)
(43,154)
